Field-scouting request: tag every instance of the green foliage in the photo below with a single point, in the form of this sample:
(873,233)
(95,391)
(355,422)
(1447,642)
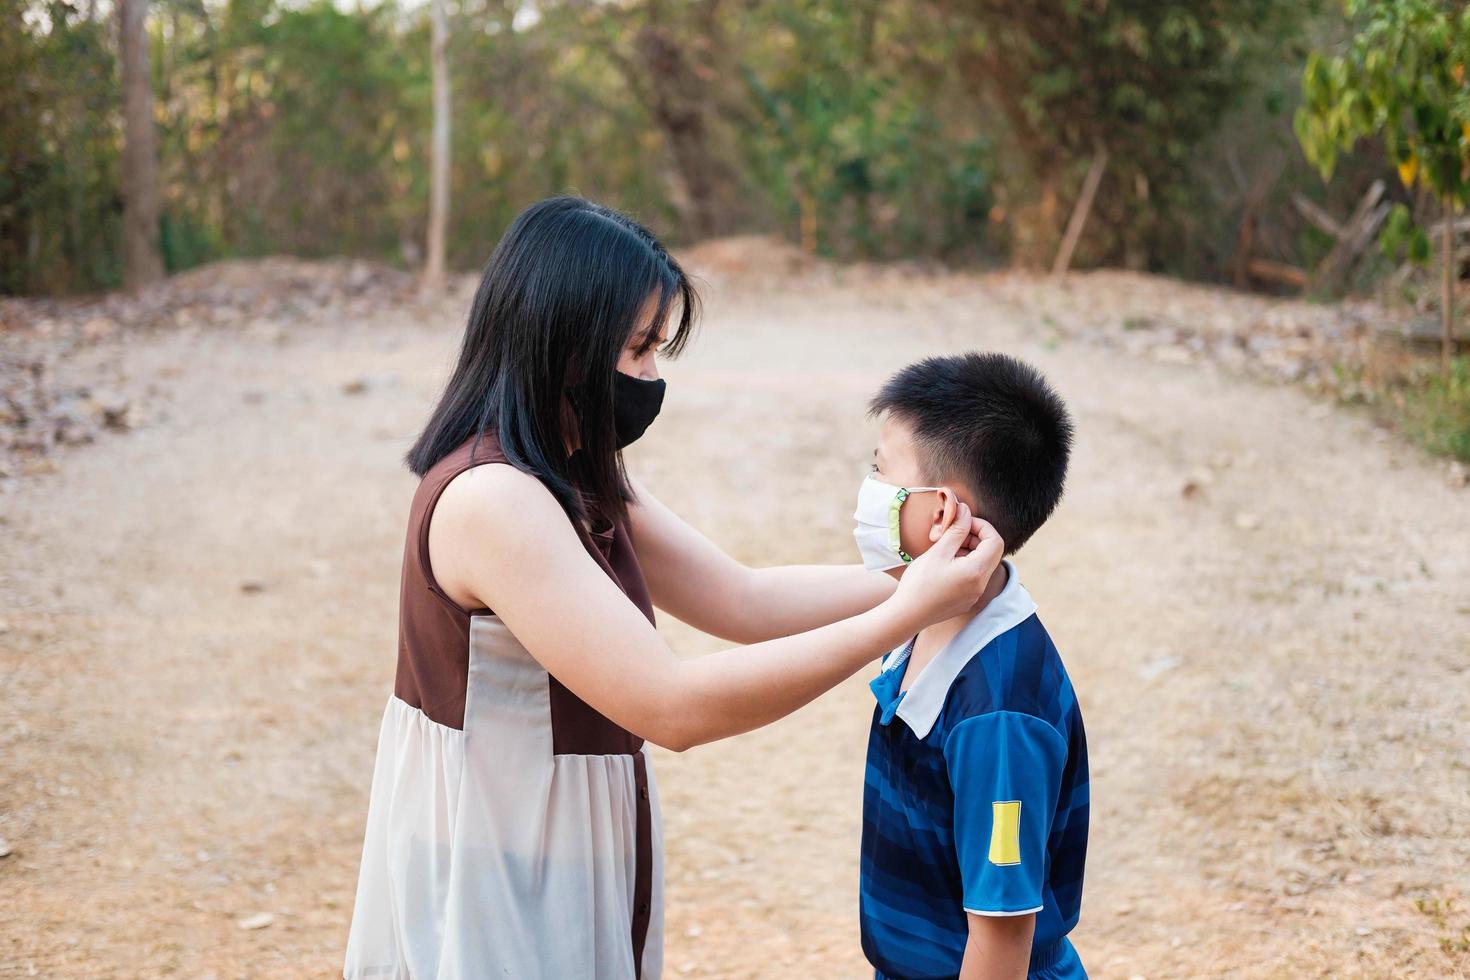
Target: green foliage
(279,128)
(1147,80)
(846,135)
(538,111)
(1436,411)
(1402,79)
(1403,238)
(867,128)
(60,215)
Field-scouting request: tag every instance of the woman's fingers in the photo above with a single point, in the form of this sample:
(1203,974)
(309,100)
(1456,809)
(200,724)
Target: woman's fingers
(954,536)
(988,547)
(972,540)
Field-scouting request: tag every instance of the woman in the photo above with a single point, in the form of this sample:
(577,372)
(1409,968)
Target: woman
(513,827)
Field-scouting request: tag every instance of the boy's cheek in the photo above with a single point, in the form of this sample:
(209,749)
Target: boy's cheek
(913,535)
(914,545)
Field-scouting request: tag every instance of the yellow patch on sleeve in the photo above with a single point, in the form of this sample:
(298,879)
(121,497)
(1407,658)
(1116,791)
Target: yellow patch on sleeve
(1005,832)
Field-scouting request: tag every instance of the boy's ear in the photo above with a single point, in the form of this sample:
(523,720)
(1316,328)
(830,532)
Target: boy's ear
(946,507)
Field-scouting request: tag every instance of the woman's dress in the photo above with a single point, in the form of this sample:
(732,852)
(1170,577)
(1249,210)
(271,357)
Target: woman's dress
(512,831)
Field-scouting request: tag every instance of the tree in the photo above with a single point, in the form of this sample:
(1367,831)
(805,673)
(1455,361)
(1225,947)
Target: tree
(142,260)
(60,225)
(677,95)
(439,165)
(816,108)
(1130,85)
(1402,79)
(672,60)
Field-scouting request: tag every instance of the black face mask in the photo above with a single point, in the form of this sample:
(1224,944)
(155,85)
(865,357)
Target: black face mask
(635,405)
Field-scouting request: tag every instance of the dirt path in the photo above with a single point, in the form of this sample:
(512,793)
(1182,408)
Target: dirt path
(1273,668)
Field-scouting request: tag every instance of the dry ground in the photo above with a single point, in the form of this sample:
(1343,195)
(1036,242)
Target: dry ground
(197,637)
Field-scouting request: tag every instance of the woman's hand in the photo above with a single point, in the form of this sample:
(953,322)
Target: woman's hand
(947,579)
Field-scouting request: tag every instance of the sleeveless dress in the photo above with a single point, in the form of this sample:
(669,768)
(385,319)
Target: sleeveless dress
(512,830)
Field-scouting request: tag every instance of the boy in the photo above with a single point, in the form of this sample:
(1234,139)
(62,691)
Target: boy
(976,798)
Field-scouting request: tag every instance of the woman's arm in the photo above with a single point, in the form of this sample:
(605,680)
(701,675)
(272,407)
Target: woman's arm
(693,580)
(499,539)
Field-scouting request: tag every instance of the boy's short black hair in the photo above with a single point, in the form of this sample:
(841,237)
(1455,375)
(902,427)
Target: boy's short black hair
(992,423)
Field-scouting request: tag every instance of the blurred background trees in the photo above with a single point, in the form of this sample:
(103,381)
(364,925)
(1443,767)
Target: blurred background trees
(952,130)
(1402,81)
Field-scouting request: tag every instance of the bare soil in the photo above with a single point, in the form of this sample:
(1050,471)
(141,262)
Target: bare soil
(1264,601)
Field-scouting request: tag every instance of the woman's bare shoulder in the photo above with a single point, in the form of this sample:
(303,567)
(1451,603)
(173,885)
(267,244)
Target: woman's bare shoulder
(489,522)
(495,499)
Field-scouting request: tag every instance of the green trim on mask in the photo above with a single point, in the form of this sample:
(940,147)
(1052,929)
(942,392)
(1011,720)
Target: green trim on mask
(893,539)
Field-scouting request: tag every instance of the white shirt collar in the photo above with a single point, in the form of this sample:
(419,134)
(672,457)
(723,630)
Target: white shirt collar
(925,697)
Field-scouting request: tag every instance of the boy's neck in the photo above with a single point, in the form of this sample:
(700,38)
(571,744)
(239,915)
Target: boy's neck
(936,636)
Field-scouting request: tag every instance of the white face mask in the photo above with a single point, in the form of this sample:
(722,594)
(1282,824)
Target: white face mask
(877,523)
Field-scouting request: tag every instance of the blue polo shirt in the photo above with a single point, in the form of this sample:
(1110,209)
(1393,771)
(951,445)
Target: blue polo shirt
(975,798)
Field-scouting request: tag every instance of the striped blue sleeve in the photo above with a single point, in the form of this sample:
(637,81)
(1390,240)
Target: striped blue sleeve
(1006,771)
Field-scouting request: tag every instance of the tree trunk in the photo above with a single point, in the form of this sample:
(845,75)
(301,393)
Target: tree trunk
(808,203)
(679,99)
(1447,290)
(142,261)
(1079,213)
(439,152)
(1332,274)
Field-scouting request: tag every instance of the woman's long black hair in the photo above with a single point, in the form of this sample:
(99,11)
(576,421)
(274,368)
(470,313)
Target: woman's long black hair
(559,300)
